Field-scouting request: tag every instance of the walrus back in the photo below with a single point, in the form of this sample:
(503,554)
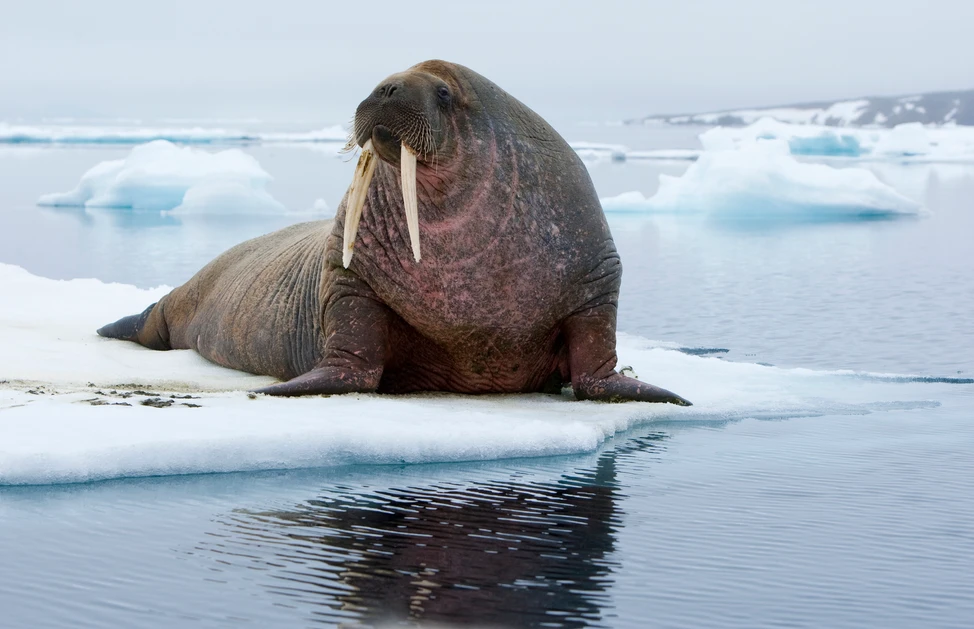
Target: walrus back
(256,307)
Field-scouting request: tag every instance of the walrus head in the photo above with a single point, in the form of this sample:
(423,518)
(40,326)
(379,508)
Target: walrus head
(401,122)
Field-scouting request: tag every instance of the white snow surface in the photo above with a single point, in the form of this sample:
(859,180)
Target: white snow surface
(118,134)
(54,366)
(160,175)
(761,181)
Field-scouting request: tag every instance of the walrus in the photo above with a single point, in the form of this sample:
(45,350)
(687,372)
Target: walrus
(470,255)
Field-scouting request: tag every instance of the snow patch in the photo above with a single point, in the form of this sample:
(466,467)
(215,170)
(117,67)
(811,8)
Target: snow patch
(163,176)
(75,407)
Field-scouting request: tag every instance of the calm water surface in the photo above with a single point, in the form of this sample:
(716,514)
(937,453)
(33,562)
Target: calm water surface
(832,521)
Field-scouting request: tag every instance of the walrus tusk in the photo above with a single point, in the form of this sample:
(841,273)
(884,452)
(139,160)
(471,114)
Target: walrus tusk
(357,192)
(407,163)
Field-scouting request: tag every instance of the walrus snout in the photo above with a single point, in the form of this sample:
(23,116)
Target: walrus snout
(403,109)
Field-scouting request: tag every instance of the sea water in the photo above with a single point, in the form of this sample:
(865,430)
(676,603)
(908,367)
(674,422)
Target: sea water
(851,520)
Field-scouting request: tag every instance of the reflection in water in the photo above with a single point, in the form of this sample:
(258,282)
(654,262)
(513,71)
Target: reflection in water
(504,553)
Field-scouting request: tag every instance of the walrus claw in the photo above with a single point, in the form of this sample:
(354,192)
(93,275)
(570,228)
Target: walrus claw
(619,388)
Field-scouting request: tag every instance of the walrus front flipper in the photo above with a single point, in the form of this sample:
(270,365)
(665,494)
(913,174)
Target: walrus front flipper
(591,343)
(357,329)
(131,328)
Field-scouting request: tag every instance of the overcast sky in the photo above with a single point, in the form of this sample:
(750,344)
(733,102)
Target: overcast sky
(595,60)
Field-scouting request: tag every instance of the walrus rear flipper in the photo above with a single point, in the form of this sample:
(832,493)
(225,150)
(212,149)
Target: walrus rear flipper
(128,329)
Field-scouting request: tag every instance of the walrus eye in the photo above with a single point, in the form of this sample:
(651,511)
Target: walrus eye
(443,92)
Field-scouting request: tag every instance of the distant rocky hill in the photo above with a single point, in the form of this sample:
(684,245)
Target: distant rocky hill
(938,108)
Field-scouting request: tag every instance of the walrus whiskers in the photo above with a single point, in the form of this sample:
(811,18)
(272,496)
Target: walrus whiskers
(357,192)
(407,163)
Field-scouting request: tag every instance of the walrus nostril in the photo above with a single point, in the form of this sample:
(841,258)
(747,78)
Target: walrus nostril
(386,90)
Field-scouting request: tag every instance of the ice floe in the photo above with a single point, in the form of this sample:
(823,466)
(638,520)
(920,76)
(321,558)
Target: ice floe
(75,407)
(801,139)
(85,134)
(908,142)
(594,152)
(163,176)
(762,181)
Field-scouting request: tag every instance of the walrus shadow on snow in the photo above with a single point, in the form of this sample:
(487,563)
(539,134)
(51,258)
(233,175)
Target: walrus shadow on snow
(470,255)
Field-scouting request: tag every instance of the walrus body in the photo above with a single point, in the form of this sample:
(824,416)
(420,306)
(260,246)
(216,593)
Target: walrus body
(516,290)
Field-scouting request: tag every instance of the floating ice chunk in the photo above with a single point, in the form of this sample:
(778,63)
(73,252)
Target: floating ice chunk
(904,140)
(320,206)
(77,134)
(326,134)
(162,176)
(803,139)
(762,181)
(227,196)
(675,155)
(65,416)
(626,202)
(914,142)
(596,152)
(827,143)
(592,152)
(93,183)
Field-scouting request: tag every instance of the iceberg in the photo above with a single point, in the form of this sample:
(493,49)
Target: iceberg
(163,176)
(81,134)
(763,182)
(75,407)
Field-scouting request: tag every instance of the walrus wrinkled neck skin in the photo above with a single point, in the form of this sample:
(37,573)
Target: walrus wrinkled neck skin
(515,289)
